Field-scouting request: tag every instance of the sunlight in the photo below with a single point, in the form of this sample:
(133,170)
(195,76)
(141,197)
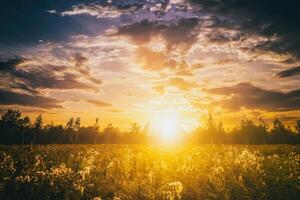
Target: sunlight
(166,125)
(169,127)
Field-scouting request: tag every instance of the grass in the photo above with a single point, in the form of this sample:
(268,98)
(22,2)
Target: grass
(144,172)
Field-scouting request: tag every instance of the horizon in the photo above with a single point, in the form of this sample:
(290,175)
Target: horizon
(156,129)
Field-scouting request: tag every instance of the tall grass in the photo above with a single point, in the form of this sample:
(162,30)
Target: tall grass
(144,172)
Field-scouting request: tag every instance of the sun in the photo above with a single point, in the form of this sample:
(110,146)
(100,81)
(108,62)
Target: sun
(166,126)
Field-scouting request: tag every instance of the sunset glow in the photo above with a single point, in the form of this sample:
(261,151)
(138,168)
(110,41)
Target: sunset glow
(166,125)
(121,60)
(150,99)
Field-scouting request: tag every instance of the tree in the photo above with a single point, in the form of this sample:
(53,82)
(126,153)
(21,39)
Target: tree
(210,123)
(134,129)
(221,135)
(11,118)
(111,134)
(70,123)
(251,133)
(13,127)
(70,130)
(136,134)
(281,135)
(38,124)
(97,122)
(76,129)
(211,133)
(26,125)
(54,134)
(297,127)
(88,135)
(77,124)
(277,124)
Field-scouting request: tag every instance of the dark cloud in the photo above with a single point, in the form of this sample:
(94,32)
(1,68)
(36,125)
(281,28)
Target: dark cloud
(31,78)
(289,72)
(28,22)
(263,17)
(13,98)
(251,97)
(177,34)
(181,33)
(9,65)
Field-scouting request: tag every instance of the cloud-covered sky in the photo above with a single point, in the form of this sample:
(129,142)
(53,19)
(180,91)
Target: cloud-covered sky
(128,61)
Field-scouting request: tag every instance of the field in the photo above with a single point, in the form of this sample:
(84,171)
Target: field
(144,172)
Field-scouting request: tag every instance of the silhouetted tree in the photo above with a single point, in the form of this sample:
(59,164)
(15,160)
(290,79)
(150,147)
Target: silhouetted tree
(70,132)
(12,118)
(110,134)
(250,133)
(38,124)
(135,134)
(15,129)
(77,124)
(76,128)
(297,127)
(37,130)
(55,134)
(279,134)
(70,123)
(25,129)
(88,135)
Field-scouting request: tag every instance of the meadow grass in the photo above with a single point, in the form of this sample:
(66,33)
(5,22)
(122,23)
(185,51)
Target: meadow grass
(145,172)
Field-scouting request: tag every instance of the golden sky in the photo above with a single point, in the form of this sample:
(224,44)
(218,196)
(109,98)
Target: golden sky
(135,61)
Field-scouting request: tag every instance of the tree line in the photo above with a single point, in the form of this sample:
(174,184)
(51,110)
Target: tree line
(17,129)
(247,132)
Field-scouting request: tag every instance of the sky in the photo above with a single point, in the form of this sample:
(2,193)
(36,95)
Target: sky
(126,61)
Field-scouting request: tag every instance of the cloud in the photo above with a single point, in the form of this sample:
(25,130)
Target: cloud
(80,62)
(98,11)
(99,103)
(252,97)
(289,72)
(160,89)
(114,110)
(13,98)
(271,19)
(8,65)
(17,73)
(177,82)
(153,60)
(175,36)
(181,33)
(181,83)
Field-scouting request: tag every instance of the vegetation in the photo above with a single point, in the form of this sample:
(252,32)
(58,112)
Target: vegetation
(16,129)
(142,172)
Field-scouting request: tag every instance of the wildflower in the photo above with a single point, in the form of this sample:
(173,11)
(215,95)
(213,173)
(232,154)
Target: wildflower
(177,187)
(240,178)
